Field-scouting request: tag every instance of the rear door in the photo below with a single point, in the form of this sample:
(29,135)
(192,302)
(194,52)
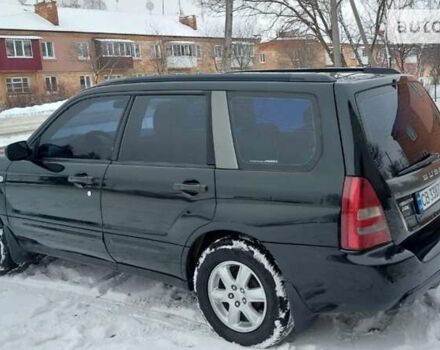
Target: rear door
(53,203)
(161,188)
(402,129)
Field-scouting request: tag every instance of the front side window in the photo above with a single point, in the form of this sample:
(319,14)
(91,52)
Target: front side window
(273,130)
(87,130)
(48,50)
(19,85)
(167,130)
(19,48)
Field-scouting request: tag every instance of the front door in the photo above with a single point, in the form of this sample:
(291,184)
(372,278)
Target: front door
(161,188)
(54,201)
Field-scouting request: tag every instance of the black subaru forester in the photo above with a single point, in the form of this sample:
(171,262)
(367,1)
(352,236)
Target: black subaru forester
(275,196)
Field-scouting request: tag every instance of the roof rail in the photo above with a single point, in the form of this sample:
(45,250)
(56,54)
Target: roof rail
(220,77)
(370,70)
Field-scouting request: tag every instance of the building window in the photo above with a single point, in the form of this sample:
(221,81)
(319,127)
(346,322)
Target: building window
(51,85)
(19,48)
(85,82)
(262,58)
(243,50)
(116,49)
(112,77)
(181,49)
(19,85)
(47,48)
(83,51)
(156,51)
(136,50)
(218,51)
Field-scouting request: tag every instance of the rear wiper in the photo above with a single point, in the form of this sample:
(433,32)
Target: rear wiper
(422,162)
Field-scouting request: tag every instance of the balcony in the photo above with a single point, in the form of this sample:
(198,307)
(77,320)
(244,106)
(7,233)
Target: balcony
(115,62)
(19,53)
(182,62)
(114,53)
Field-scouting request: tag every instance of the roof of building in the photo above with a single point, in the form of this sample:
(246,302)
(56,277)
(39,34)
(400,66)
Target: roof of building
(17,17)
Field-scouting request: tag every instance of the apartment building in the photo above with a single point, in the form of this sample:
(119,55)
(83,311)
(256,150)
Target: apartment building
(47,52)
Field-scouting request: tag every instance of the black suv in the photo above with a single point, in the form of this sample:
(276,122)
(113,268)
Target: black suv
(276,196)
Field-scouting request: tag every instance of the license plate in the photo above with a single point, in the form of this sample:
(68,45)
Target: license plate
(428,197)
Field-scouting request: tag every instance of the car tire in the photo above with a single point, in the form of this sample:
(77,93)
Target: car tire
(241,294)
(6,263)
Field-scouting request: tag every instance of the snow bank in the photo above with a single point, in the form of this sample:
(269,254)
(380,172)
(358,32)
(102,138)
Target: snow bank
(32,111)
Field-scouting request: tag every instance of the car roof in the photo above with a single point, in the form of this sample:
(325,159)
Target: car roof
(287,75)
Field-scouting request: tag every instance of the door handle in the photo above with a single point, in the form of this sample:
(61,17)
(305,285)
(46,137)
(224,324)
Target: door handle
(190,187)
(81,180)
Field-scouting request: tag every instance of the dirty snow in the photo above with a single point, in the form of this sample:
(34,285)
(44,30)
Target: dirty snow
(63,305)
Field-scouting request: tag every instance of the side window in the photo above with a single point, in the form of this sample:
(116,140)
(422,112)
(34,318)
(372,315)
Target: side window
(273,130)
(87,130)
(167,129)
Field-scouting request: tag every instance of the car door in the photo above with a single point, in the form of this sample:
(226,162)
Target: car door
(161,188)
(53,202)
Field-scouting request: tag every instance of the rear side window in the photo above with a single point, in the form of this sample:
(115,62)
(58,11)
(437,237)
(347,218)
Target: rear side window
(167,129)
(87,130)
(273,130)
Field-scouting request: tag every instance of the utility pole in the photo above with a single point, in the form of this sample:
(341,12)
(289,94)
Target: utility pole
(367,47)
(335,33)
(227,51)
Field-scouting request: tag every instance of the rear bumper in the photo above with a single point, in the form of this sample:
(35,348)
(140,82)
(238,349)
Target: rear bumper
(329,280)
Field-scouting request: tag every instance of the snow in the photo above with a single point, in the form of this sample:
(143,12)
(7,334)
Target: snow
(63,305)
(7,140)
(31,111)
(17,17)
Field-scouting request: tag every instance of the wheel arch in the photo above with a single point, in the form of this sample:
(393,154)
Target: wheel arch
(198,243)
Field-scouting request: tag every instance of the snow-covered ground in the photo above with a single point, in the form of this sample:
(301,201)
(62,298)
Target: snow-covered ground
(63,305)
(32,111)
(16,124)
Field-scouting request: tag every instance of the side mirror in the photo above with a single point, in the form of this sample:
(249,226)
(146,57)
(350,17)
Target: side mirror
(18,151)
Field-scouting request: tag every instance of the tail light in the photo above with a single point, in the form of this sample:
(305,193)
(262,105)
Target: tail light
(363,223)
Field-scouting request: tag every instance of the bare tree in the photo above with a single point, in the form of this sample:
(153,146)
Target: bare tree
(431,62)
(157,57)
(227,51)
(306,17)
(70,3)
(94,4)
(301,53)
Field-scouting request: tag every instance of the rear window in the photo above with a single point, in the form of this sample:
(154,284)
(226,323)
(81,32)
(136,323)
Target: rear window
(401,124)
(273,130)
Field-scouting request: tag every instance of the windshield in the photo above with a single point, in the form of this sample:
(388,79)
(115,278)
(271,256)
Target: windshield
(401,124)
